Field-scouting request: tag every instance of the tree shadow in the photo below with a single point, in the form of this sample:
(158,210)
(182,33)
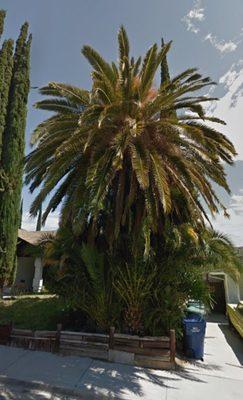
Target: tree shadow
(234,341)
(18,393)
(23,391)
(216,318)
(117,380)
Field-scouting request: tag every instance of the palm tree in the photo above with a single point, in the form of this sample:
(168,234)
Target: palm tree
(208,251)
(127,156)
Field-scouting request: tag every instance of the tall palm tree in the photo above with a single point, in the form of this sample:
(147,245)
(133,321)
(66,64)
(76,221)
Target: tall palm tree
(127,155)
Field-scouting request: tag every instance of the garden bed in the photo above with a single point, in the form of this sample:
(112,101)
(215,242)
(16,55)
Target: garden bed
(147,351)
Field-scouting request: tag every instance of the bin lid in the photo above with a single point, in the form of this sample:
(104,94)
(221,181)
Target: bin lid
(192,318)
(196,310)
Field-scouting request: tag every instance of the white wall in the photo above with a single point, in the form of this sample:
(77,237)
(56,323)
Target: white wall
(232,290)
(241,287)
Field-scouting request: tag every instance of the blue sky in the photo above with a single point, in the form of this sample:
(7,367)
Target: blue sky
(206,34)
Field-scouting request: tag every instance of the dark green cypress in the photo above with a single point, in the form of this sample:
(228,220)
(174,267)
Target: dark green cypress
(2,18)
(12,158)
(6,65)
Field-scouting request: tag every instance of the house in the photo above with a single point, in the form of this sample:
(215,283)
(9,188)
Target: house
(29,272)
(225,289)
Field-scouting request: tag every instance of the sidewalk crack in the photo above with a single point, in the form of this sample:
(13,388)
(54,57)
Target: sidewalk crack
(83,374)
(13,362)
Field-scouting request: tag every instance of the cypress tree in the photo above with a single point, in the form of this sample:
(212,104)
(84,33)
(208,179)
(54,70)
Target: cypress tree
(12,155)
(6,65)
(2,17)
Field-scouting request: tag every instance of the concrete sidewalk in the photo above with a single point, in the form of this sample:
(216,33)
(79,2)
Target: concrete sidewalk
(42,375)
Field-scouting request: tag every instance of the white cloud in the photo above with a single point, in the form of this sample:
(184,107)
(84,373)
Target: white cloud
(230,106)
(237,203)
(232,226)
(196,16)
(221,45)
(193,17)
(30,223)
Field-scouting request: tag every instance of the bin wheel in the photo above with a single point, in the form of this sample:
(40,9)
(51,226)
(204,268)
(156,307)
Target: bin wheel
(202,359)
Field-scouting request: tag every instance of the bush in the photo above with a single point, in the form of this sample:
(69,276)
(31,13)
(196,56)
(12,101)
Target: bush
(137,293)
(33,312)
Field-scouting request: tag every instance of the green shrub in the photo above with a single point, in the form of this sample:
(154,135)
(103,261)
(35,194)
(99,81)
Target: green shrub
(33,312)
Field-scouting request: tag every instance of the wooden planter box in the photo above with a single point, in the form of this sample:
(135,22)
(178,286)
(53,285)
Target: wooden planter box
(147,351)
(151,352)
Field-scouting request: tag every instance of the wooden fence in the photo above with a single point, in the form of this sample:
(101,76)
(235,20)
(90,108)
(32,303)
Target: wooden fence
(147,351)
(35,340)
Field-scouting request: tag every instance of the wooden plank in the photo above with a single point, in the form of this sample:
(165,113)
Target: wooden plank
(128,337)
(78,344)
(155,345)
(126,342)
(149,352)
(172,345)
(145,338)
(85,338)
(21,337)
(93,339)
(100,354)
(155,338)
(34,338)
(85,334)
(141,342)
(22,332)
(111,337)
(45,333)
(82,342)
(153,362)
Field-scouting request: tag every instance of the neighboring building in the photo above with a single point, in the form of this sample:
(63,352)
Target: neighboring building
(226,291)
(240,250)
(29,274)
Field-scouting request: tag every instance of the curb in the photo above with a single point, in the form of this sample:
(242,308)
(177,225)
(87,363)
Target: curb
(54,390)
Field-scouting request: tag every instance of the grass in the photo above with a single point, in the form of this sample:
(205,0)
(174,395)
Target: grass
(32,312)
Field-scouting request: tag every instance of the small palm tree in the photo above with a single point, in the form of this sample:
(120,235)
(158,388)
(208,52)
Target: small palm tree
(127,155)
(219,254)
(207,251)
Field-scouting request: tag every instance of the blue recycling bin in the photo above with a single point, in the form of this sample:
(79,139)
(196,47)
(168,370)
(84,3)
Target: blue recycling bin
(194,333)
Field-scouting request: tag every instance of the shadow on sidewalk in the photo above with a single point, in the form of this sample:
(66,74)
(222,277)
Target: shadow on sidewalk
(20,394)
(234,341)
(113,381)
(217,318)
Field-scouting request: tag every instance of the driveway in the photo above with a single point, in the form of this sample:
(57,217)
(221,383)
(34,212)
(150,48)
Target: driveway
(37,375)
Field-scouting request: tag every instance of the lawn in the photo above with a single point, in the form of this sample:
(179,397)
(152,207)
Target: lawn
(32,312)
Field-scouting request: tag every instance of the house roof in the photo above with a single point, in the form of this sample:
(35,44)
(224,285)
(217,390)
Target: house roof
(34,237)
